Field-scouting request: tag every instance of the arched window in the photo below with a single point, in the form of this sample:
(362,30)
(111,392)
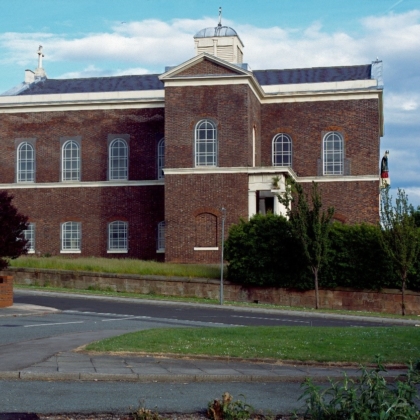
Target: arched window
(25,163)
(70,237)
(282,150)
(161,158)
(205,144)
(70,159)
(333,154)
(117,236)
(118,160)
(161,237)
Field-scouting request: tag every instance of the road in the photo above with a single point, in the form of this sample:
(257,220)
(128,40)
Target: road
(27,340)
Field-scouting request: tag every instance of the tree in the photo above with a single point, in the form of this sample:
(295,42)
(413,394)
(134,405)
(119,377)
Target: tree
(310,224)
(12,226)
(400,236)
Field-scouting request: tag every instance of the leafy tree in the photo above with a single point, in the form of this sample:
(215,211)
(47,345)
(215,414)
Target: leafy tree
(12,225)
(310,224)
(400,236)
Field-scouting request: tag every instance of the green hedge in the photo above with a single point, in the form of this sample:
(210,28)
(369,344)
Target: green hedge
(263,252)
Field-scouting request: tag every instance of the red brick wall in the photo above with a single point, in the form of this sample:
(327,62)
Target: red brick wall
(353,202)
(145,128)
(306,122)
(227,106)
(48,208)
(188,196)
(6,291)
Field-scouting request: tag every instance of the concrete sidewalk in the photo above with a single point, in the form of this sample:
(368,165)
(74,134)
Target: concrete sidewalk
(79,366)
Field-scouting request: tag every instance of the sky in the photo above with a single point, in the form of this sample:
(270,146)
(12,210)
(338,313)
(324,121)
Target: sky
(88,38)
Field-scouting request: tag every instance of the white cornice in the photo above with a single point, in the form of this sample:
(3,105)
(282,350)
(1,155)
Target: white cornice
(268,170)
(88,101)
(99,184)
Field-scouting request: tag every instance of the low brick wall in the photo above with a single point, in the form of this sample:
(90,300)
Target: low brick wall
(6,291)
(388,300)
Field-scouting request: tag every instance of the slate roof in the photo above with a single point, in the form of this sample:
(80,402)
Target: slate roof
(313,75)
(95,84)
(152,82)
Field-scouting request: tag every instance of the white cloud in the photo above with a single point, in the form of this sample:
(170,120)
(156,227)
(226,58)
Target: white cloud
(93,71)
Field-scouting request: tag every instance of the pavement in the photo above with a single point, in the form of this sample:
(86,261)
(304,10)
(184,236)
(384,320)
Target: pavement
(77,365)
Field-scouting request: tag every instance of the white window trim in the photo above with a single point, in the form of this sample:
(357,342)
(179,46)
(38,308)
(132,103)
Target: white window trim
(63,171)
(341,163)
(18,162)
(206,248)
(214,141)
(118,250)
(161,158)
(79,232)
(110,166)
(273,147)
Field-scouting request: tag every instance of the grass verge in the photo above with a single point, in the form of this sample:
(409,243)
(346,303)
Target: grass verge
(118,266)
(321,344)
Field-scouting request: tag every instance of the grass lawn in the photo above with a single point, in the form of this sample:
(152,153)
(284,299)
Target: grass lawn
(118,265)
(321,344)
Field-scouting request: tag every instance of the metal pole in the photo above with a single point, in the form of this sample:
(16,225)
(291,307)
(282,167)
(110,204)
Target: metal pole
(221,261)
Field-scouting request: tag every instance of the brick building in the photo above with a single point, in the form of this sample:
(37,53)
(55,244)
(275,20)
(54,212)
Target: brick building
(141,166)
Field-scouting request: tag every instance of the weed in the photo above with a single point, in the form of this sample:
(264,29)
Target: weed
(145,414)
(368,398)
(228,409)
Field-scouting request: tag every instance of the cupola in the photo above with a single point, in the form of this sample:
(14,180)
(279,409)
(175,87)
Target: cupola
(220,41)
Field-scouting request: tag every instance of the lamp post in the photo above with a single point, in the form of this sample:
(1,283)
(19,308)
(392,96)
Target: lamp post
(221,260)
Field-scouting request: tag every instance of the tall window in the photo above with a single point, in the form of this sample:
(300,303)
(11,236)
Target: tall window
(30,237)
(70,237)
(205,144)
(161,237)
(161,158)
(70,159)
(282,150)
(333,154)
(25,163)
(117,237)
(118,160)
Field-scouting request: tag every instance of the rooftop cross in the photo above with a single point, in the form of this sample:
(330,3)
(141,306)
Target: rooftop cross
(40,55)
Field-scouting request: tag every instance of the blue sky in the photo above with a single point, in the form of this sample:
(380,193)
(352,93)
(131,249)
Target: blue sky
(86,38)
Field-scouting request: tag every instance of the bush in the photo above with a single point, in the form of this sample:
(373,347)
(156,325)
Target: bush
(263,252)
(368,398)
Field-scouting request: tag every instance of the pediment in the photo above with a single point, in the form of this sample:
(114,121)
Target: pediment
(204,65)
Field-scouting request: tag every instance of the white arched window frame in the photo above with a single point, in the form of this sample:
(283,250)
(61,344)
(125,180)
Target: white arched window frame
(333,154)
(29,234)
(71,236)
(118,160)
(118,236)
(70,161)
(161,237)
(205,143)
(25,163)
(282,150)
(161,158)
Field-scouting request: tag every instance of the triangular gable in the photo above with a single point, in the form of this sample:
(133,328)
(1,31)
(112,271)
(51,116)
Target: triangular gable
(204,65)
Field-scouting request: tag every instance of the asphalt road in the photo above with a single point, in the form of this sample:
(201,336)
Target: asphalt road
(123,397)
(180,312)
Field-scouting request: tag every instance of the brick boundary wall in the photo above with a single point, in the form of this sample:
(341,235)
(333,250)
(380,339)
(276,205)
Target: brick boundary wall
(6,291)
(387,300)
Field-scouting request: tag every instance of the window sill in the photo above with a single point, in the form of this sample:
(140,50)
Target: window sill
(31,251)
(206,248)
(70,251)
(117,251)
(160,251)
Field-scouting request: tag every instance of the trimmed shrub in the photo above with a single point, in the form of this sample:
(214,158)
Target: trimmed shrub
(263,252)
